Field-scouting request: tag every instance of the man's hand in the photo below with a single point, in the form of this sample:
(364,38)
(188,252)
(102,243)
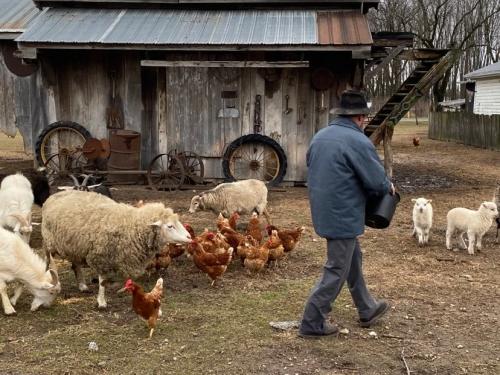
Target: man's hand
(393,189)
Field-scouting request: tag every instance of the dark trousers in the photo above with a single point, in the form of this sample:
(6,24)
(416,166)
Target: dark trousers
(344,263)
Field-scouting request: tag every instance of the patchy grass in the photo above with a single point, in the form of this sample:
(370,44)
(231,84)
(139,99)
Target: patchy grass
(444,304)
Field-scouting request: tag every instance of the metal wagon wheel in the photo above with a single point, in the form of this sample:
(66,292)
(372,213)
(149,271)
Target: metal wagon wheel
(255,156)
(193,166)
(61,135)
(59,166)
(166,172)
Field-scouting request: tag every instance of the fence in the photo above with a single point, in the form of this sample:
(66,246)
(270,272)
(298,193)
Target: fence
(467,128)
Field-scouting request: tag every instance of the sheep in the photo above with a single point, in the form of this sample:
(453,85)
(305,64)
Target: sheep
(496,199)
(243,197)
(16,200)
(422,219)
(19,262)
(113,239)
(474,223)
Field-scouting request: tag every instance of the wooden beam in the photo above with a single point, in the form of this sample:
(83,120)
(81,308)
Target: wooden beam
(373,72)
(422,54)
(225,64)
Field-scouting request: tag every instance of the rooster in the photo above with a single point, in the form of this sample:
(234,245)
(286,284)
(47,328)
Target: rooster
(416,141)
(253,228)
(289,237)
(214,264)
(146,305)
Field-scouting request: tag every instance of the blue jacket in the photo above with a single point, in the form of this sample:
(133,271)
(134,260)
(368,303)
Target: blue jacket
(343,171)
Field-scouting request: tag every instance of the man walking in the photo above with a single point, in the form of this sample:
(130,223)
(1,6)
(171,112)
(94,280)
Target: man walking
(343,171)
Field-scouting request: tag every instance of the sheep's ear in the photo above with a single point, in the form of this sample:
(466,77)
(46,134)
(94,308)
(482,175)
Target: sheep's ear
(413,199)
(156,224)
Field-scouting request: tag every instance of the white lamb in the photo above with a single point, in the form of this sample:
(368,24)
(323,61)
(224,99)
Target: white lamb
(422,219)
(474,223)
(245,196)
(16,201)
(19,262)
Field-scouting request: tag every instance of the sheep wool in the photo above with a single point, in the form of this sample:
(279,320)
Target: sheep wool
(241,196)
(474,223)
(111,238)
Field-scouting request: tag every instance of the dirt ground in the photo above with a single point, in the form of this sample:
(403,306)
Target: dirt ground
(443,320)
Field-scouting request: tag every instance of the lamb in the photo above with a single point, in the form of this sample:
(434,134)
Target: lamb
(113,239)
(474,223)
(16,200)
(243,197)
(19,262)
(496,199)
(422,219)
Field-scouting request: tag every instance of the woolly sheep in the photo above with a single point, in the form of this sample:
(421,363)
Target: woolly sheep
(113,239)
(422,219)
(243,196)
(16,201)
(496,199)
(19,262)
(474,223)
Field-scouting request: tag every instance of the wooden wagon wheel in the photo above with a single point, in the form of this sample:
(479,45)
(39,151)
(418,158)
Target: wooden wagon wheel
(193,166)
(59,166)
(166,172)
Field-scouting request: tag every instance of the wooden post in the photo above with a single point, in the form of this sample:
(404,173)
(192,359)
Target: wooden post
(388,157)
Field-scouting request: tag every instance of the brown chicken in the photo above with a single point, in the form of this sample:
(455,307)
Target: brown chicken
(175,250)
(257,257)
(233,220)
(276,249)
(214,264)
(244,247)
(416,141)
(146,305)
(289,237)
(222,222)
(253,228)
(160,261)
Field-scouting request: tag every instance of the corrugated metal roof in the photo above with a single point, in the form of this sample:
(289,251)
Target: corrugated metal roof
(15,15)
(192,27)
(343,28)
(488,71)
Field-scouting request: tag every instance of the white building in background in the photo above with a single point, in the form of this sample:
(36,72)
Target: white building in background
(487,96)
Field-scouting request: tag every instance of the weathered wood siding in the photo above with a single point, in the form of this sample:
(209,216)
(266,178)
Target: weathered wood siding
(191,100)
(465,127)
(487,97)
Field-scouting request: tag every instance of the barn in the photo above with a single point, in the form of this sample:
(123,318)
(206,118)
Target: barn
(257,78)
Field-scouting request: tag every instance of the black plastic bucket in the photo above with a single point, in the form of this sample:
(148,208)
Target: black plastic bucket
(379,212)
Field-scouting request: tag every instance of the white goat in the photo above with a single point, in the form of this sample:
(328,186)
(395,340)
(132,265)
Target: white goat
(19,262)
(16,200)
(243,197)
(474,223)
(422,219)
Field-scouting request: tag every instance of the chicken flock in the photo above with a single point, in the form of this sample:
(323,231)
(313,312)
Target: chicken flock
(212,252)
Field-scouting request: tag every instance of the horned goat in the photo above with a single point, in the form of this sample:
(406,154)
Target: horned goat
(474,223)
(243,196)
(113,239)
(16,201)
(422,219)
(82,182)
(19,262)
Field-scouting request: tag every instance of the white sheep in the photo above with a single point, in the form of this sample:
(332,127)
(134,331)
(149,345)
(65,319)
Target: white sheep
(243,196)
(113,239)
(19,262)
(474,223)
(16,201)
(422,219)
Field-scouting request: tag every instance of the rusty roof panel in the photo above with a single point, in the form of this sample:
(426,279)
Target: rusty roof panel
(343,28)
(15,15)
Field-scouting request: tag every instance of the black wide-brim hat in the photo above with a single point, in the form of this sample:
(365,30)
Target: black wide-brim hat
(352,103)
